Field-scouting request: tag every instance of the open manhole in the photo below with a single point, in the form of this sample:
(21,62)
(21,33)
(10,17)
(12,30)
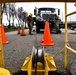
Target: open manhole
(50,73)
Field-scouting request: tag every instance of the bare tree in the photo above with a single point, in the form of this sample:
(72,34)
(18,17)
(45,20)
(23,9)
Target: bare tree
(9,9)
(13,13)
(19,15)
(24,17)
(3,9)
(8,13)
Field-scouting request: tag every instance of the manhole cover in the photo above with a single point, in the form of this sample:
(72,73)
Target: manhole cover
(50,73)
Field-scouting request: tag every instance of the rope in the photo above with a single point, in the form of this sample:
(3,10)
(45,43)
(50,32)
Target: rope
(36,62)
(57,53)
(36,54)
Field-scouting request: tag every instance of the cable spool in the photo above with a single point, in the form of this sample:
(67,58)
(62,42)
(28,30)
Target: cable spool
(37,56)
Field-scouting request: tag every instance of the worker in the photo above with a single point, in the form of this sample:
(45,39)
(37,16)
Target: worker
(57,20)
(30,22)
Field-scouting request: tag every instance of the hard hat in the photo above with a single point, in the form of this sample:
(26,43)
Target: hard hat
(30,14)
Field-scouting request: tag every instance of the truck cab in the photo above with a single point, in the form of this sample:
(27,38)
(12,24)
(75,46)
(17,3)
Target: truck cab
(47,14)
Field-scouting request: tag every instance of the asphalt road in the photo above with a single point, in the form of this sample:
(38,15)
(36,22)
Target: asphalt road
(20,47)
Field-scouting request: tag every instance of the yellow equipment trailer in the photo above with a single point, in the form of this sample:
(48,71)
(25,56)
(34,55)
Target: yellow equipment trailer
(39,62)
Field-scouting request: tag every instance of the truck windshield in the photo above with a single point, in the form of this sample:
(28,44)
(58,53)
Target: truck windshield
(46,11)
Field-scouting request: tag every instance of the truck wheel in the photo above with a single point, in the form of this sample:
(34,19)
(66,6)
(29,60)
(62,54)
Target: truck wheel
(57,31)
(37,30)
(72,28)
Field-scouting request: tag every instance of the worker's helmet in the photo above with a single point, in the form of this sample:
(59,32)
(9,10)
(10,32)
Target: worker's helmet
(30,14)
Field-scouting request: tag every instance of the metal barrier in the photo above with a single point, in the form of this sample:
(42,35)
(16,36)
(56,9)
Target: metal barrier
(1,48)
(66,46)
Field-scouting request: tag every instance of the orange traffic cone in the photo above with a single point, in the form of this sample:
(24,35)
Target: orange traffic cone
(18,30)
(23,31)
(2,34)
(47,40)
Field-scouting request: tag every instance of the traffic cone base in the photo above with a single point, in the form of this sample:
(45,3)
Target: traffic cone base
(18,30)
(5,42)
(47,40)
(42,40)
(23,32)
(50,44)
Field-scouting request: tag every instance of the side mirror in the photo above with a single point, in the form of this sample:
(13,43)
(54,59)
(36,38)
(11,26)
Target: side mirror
(35,12)
(58,11)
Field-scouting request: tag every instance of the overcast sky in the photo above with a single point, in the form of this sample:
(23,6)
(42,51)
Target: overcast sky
(29,7)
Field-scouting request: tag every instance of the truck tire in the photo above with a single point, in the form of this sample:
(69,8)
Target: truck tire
(37,30)
(72,28)
(58,32)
